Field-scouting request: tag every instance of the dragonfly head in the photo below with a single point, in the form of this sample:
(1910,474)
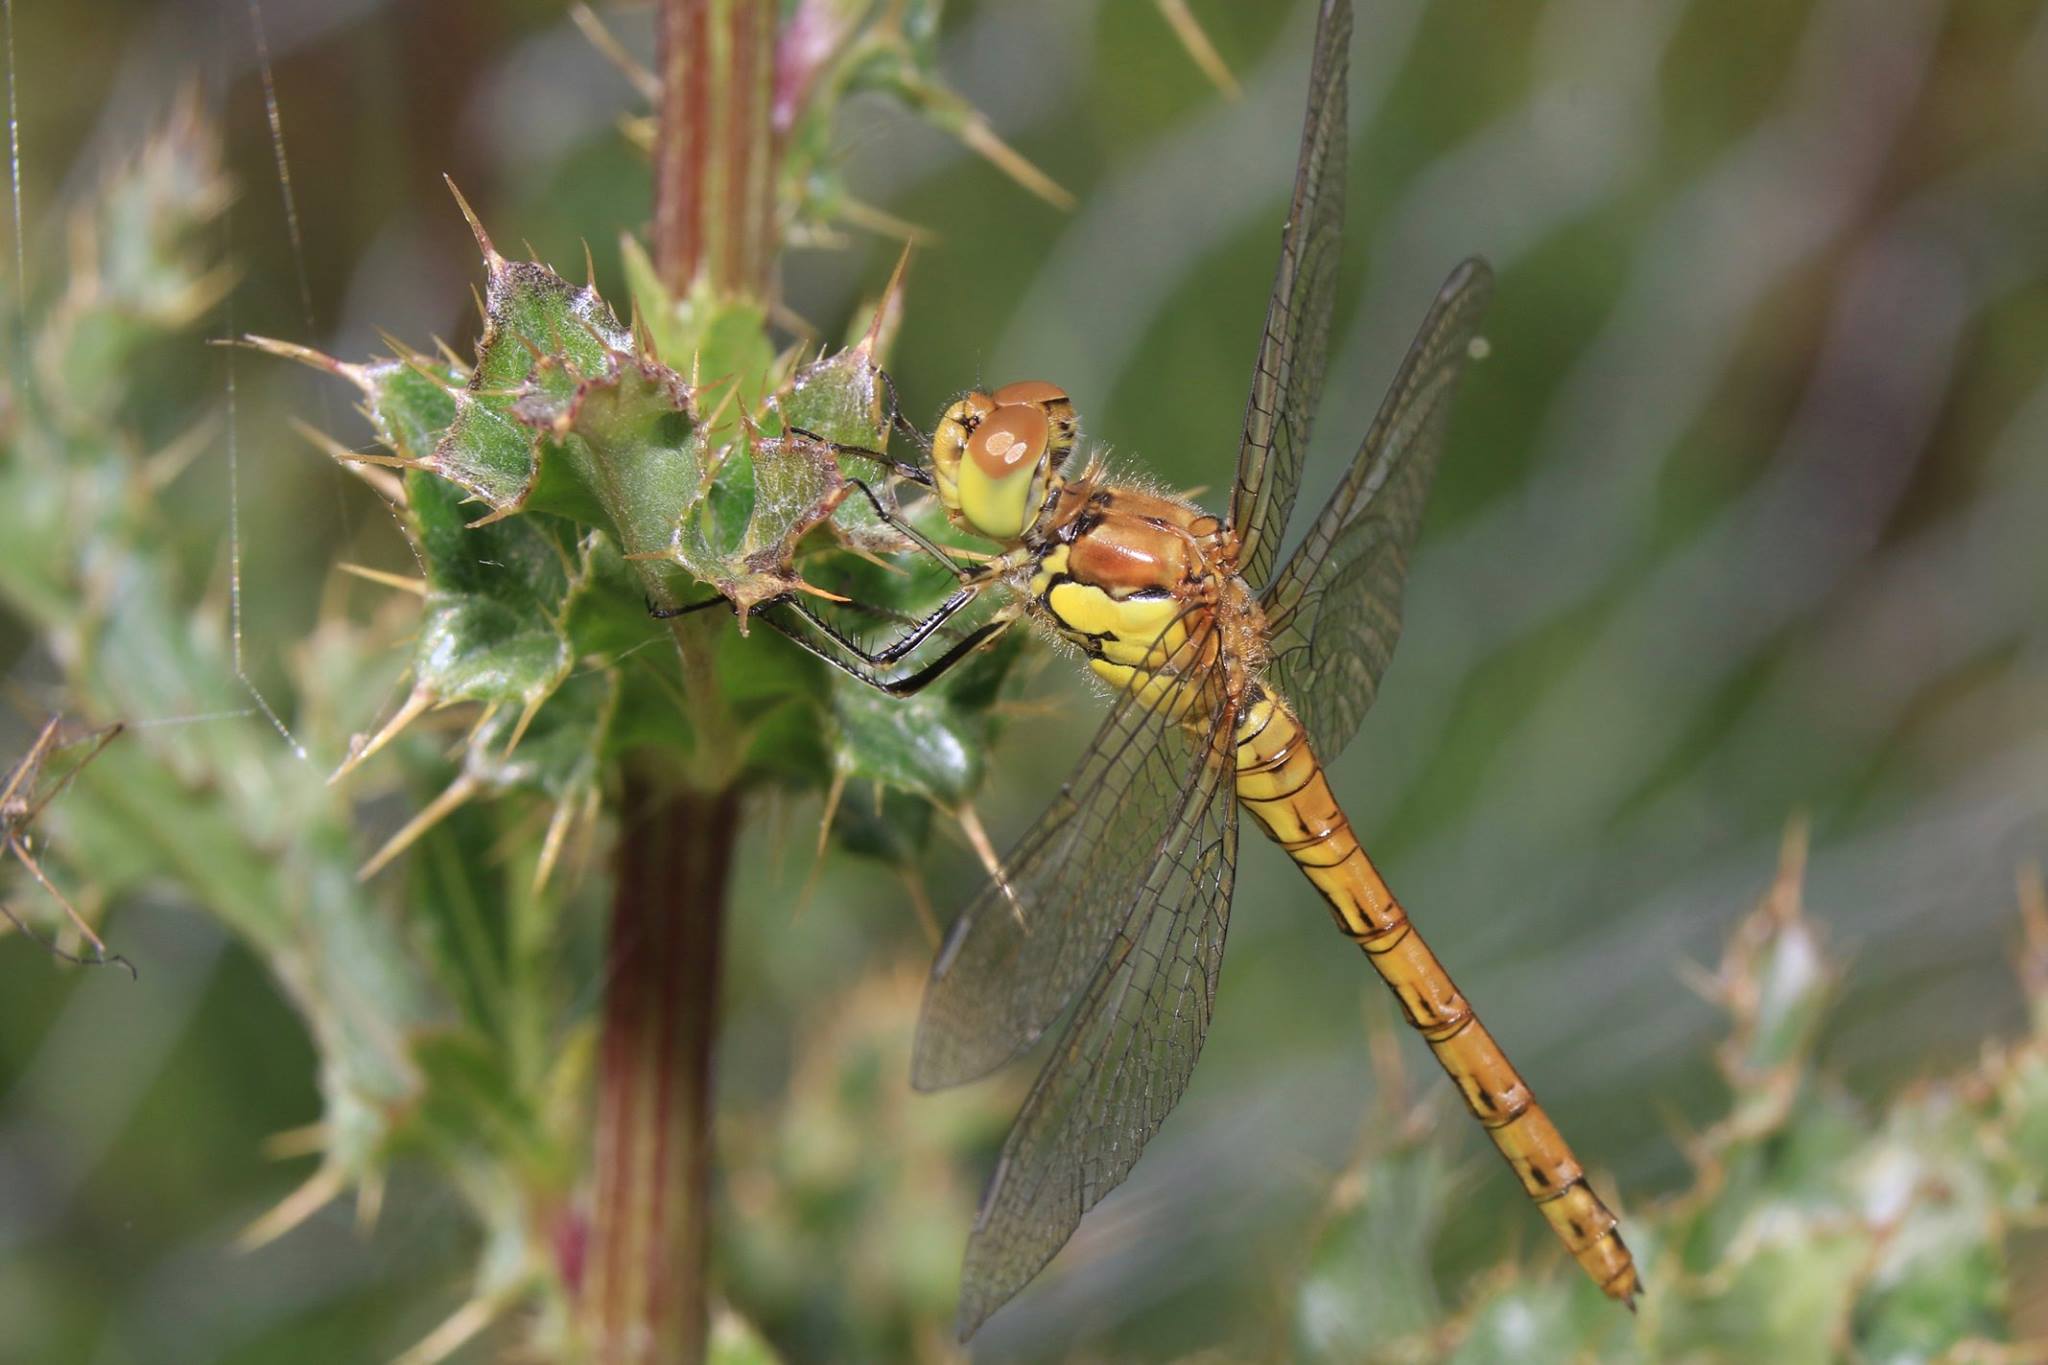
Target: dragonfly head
(995,456)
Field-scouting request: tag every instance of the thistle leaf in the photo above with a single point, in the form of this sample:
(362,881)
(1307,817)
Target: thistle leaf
(493,629)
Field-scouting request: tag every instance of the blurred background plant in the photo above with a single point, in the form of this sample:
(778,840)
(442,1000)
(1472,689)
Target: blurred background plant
(1743,515)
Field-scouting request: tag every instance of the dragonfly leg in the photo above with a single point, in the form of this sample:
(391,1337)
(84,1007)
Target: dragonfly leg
(899,423)
(917,633)
(13,807)
(917,630)
(896,522)
(902,469)
(100,955)
(851,661)
(858,661)
(892,518)
(661,613)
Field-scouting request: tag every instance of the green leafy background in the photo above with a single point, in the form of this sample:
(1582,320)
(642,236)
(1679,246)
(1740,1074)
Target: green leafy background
(1742,517)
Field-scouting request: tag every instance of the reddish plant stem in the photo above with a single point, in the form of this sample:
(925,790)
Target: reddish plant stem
(714,159)
(645,1294)
(748,220)
(682,149)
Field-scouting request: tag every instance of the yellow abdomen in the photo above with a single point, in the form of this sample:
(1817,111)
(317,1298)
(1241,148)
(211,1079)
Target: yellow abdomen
(1281,783)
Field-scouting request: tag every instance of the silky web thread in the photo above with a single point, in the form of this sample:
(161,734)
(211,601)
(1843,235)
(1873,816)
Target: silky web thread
(284,170)
(14,161)
(274,115)
(21,304)
(233,423)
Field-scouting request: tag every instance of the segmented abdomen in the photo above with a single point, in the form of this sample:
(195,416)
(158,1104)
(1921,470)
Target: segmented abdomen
(1280,781)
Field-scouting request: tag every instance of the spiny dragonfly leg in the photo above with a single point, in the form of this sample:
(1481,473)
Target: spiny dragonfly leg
(917,630)
(907,685)
(892,518)
(858,661)
(898,422)
(895,521)
(661,613)
(917,633)
(960,572)
(101,954)
(902,469)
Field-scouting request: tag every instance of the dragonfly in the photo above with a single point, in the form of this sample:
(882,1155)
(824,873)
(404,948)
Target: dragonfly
(39,778)
(1235,674)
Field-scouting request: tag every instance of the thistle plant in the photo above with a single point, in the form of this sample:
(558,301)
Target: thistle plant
(584,474)
(592,462)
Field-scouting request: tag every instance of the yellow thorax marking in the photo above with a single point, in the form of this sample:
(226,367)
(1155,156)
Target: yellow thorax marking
(1158,691)
(1088,610)
(1050,566)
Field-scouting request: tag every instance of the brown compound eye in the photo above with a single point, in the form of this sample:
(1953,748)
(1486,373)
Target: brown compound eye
(972,407)
(1012,436)
(1036,392)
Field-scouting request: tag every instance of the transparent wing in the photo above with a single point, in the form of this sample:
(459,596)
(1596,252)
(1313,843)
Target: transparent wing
(1126,1056)
(1334,609)
(1294,350)
(1018,954)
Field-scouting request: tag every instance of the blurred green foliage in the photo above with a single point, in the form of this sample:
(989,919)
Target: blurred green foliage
(1742,515)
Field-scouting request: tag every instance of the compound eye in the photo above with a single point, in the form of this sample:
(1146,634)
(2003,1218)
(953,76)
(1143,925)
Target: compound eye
(1036,392)
(1014,436)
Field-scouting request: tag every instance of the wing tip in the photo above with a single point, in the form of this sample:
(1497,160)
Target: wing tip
(1474,270)
(925,1074)
(974,1310)
(983,1295)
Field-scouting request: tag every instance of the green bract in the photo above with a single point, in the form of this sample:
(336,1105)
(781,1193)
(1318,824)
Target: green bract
(572,479)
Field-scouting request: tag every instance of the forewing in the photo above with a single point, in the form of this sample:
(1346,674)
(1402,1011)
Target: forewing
(1294,349)
(1125,1059)
(1017,956)
(1334,609)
